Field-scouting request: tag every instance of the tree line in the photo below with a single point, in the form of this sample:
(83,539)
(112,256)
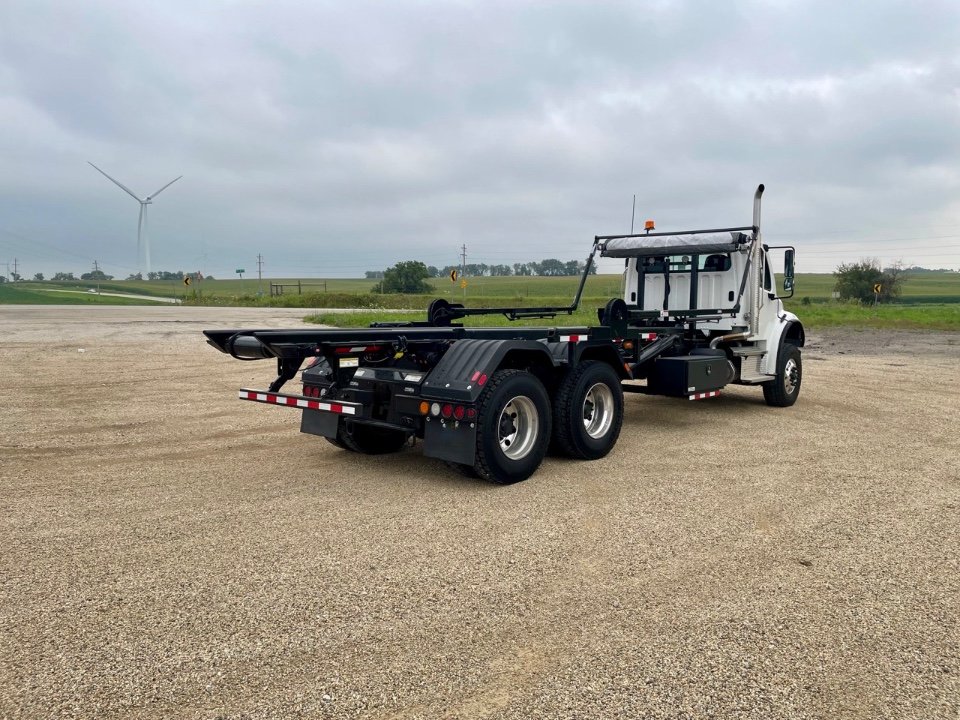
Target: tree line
(551,267)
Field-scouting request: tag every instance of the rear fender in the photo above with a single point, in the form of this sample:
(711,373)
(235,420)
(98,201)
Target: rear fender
(602,353)
(465,367)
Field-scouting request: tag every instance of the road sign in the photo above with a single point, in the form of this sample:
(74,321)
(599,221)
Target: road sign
(463,284)
(186,280)
(239,271)
(454,275)
(877,288)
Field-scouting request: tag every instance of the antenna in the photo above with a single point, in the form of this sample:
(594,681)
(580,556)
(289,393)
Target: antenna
(143,236)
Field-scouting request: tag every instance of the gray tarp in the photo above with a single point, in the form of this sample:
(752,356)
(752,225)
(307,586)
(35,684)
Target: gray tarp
(673,245)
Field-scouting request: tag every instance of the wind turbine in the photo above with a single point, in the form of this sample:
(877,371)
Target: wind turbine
(142,222)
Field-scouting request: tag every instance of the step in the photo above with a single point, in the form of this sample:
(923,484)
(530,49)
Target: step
(755,379)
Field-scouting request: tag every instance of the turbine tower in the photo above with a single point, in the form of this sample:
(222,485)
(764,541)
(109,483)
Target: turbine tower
(142,222)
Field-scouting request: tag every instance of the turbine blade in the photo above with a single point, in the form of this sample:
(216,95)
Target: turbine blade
(115,182)
(151,197)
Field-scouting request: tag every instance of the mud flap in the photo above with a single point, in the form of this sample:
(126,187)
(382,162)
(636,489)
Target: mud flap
(315,422)
(450,440)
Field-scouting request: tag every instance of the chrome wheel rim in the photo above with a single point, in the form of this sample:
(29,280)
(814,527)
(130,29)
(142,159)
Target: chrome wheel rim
(598,410)
(791,376)
(518,427)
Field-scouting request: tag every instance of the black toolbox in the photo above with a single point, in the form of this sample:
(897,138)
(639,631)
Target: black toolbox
(688,374)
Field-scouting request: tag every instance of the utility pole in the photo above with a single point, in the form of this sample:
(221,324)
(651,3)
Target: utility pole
(633,213)
(259,274)
(16,275)
(96,269)
(463,269)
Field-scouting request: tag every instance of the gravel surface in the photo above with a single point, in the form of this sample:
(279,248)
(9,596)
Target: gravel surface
(168,551)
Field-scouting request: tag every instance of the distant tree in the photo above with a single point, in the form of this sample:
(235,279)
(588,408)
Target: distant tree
(38,277)
(892,282)
(408,276)
(521,269)
(373,274)
(135,276)
(64,276)
(552,267)
(3,278)
(856,281)
(96,275)
(15,276)
(434,271)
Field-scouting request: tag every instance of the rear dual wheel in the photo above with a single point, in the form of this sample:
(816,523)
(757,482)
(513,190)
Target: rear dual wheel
(588,411)
(513,427)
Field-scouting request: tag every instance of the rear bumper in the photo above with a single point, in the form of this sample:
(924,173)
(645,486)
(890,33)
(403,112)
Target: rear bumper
(302,402)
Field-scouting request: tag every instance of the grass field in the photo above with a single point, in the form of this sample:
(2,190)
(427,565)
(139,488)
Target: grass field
(930,300)
(39,294)
(937,287)
(814,286)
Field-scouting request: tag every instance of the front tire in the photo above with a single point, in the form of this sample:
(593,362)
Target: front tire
(588,412)
(785,388)
(513,427)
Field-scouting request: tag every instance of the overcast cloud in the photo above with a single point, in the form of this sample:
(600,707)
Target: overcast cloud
(335,138)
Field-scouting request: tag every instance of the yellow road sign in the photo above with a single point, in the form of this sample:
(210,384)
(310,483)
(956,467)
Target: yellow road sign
(454,275)
(463,284)
(877,288)
(186,280)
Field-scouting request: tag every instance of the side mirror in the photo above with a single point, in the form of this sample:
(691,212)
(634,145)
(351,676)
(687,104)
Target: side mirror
(788,271)
(785,282)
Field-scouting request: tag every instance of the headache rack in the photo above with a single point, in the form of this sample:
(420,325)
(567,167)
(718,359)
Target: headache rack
(653,250)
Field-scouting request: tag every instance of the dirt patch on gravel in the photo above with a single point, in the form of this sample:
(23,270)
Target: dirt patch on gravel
(169,551)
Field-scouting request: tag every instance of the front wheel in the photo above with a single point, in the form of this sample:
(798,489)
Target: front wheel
(513,427)
(784,389)
(588,411)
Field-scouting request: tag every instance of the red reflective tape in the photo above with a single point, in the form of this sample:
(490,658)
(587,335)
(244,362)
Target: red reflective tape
(334,407)
(291,401)
(272,399)
(476,374)
(703,396)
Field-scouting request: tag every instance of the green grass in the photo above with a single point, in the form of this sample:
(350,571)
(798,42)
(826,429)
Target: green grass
(31,294)
(930,301)
(945,287)
(888,317)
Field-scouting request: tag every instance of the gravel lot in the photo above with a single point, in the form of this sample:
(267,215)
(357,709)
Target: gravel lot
(168,551)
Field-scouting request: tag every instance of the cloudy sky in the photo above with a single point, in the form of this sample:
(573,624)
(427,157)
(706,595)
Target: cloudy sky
(335,138)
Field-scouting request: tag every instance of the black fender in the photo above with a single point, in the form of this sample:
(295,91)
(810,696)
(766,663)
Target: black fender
(793,333)
(604,353)
(465,367)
